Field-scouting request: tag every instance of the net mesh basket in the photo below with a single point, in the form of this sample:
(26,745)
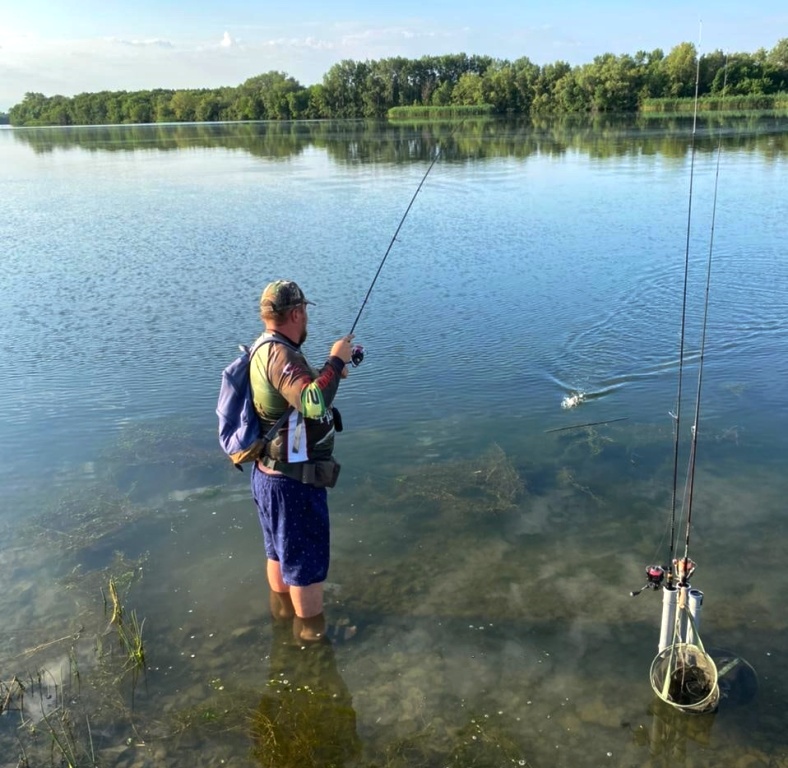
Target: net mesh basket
(685,676)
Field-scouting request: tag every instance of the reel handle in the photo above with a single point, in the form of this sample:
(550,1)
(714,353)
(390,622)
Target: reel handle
(655,575)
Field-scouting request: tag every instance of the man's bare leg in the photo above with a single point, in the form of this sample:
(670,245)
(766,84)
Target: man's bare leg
(280,601)
(306,603)
(274,571)
(310,623)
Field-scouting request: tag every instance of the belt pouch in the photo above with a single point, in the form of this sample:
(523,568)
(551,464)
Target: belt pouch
(326,473)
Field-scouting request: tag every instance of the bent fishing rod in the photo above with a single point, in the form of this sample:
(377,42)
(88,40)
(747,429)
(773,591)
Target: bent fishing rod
(358,350)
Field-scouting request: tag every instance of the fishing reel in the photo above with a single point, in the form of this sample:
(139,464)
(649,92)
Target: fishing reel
(655,575)
(683,568)
(356,355)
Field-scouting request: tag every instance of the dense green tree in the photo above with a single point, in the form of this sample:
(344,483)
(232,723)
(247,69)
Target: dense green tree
(342,89)
(298,104)
(138,107)
(422,80)
(184,106)
(777,65)
(316,107)
(162,106)
(29,110)
(58,111)
(546,89)
(386,78)
(710,65)
(653,78)
(778,56)
(500,88)
(680,67)
(375,97)
(480,64)
(269,94)
(452,66)
(208,108)
(743,75)
(614,82)
(441,96)
(774,72)
(469,90)
(573,91)
(115,102)
(526,75)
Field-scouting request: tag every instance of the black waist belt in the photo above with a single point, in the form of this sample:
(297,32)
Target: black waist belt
(321,474)
(302,471)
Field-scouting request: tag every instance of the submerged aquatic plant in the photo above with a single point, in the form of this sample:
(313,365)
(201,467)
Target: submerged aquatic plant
(482,742)
(80,519)
(128,628)
(303,727)
(74,752)
(47,724)
(11,694)
(130,634)
(489,483)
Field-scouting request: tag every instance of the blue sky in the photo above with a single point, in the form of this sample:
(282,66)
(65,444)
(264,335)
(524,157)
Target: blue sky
(84,45)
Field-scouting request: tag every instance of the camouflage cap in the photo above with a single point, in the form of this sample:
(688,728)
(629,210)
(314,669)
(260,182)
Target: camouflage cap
(281,295)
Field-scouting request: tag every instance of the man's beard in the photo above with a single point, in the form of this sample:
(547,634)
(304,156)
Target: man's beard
(302,338)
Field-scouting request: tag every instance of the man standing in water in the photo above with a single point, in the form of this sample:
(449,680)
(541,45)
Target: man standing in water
(289,481)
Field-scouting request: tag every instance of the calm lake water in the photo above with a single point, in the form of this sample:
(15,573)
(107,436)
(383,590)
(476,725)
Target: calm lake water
(484,541)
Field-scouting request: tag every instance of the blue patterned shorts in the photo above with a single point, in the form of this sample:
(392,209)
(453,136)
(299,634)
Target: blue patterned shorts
(294,518)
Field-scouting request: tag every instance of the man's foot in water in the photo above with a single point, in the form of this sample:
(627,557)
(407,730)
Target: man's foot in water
(281,606)
(315,629)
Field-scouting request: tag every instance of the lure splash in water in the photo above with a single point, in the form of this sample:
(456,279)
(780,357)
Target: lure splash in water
(573,400)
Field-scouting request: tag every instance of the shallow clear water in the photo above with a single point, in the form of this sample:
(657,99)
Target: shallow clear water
(484,552)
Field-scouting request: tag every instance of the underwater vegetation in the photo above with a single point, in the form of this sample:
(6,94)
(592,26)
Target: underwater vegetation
(104,664)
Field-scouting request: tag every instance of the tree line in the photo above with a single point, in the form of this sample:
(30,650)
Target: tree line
(369,89)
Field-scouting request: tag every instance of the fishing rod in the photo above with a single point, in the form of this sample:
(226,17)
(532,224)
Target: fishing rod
(359,351)
(658,576)
(682,345)
(693,450)
(684,674)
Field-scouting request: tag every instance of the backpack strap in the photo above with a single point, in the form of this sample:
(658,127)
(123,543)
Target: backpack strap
(271,434)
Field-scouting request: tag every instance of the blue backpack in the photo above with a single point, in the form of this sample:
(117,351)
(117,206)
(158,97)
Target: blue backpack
(240,431)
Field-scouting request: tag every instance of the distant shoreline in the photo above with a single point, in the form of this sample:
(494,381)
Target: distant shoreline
(646,82)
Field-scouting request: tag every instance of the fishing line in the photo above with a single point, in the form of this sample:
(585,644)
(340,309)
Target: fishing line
(396,232)
(688,494)
(677,415)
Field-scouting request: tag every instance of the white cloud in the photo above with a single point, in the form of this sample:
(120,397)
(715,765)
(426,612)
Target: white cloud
(307,43)
(153,43)
(227,41)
